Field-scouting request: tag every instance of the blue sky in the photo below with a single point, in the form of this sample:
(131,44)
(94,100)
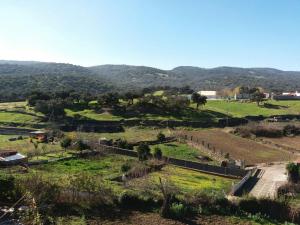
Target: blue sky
(159,33)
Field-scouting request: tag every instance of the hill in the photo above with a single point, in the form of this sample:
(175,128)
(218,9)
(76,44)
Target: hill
(19,78)
(199,78)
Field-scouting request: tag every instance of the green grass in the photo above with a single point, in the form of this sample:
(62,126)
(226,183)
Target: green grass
(18,112)
(239,109)
(189,180)
(178,150)
(24,146)
(131,134)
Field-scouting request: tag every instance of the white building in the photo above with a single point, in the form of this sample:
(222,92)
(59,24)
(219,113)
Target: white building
(211,95)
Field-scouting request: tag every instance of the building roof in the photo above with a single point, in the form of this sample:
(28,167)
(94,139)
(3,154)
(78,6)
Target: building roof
(38,132)
(207,92)
(16,156)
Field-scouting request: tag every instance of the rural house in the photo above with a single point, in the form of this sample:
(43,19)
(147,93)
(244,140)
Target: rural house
(8,158)
(211,95)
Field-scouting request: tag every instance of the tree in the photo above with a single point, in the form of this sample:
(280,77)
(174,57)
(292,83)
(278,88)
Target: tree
(199,99)
(143,151)
(157,153)
(80,146)
(257,97)
(65,143)
(161,137)
(293,172)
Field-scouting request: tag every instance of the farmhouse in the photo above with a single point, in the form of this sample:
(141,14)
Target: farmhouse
(211,95)
(8,158)
(288,96)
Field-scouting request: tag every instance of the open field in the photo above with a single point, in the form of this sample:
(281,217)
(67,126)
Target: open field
(239,109)
(180,151)
(189,180)
(108,167)
(131,134)
(290,142)
(241,148)
(188,114)
(18,112)
(24,146)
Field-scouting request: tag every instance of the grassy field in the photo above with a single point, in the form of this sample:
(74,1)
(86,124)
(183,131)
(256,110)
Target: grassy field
(185,180)
(131,134)
(109,166)
(18,112)
(179,151)
(24,146)
(239,109)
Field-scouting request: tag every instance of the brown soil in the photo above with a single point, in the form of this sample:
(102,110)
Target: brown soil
(137,218)
(240,148)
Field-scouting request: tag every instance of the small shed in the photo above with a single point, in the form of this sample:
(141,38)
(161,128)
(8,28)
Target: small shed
(39,135)
(8,158)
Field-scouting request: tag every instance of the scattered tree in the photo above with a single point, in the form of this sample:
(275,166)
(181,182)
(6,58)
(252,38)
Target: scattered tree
(143,151)
(161,137)
(199,99)
(157,153)
(293,172)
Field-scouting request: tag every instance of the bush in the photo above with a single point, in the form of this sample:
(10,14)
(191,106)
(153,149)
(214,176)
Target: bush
(157,153)
(161,137)
(121,143)
(8,188)
(293,172)
(134,201)
(143,151)
(275,209)
(125,167)
(178,211)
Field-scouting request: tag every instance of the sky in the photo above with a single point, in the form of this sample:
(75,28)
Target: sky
(158,33)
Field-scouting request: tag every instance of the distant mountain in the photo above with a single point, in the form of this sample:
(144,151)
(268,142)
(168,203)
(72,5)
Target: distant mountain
(20,77)
(125,76)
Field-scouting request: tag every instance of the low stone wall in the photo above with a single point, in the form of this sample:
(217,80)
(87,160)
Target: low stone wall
(237,187)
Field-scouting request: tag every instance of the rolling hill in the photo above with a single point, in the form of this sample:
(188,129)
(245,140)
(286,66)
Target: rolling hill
(199,78)
(20,77)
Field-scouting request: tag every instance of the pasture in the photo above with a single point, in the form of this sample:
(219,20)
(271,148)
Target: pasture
(242,109)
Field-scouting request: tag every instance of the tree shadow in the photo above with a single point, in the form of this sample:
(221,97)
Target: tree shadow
(273,106)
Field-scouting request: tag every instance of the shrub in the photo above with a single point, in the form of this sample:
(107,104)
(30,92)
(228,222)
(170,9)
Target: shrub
(157,153)
(135,201)
(125,167)
(65,143)
(293,172)
(178,211)
(161,137)
(8,188)
(143,151)
(121,143)
(275,209)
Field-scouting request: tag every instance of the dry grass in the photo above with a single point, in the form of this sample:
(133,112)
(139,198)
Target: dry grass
(241,148)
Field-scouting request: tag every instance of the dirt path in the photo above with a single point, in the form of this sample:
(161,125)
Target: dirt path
(270,179)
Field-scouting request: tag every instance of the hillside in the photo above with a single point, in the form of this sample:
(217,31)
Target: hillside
(199,78)
(20,77)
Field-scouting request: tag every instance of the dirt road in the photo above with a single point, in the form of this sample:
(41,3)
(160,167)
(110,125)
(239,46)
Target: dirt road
(271,178)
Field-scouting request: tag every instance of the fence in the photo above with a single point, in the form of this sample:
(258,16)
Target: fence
(197,142)
(218,170)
